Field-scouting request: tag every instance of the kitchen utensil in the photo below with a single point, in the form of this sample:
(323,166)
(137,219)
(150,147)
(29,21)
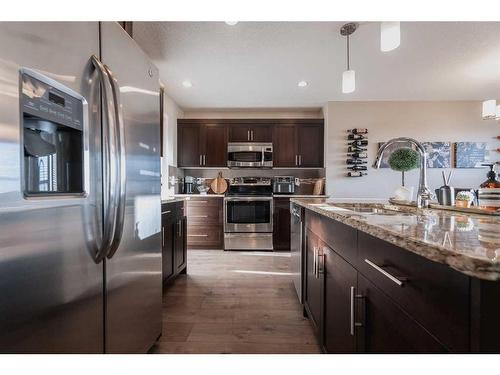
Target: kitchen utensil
(318,186)
(219,184)
(446,193)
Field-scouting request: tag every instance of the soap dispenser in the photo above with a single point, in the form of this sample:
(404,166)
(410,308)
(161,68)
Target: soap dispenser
(489,192)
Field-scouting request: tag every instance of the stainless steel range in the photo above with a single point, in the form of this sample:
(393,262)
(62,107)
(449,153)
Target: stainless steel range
(248,214)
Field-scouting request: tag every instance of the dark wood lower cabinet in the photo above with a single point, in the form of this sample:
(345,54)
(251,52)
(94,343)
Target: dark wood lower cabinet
(364,295)
(281,224)
(313,292)
(173,238)
(340,295)
(388,329)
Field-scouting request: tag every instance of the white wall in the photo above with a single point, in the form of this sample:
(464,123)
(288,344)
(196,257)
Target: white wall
(424,121)
(171,113)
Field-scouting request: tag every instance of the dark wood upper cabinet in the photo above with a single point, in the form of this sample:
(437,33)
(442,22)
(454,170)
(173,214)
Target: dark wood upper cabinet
(214,148)
(189,145)
(297,142)
(250,133)
(285,146)
(310,145)
(340,287)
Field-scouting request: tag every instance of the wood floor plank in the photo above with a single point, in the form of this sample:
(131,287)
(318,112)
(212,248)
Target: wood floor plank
(234,302)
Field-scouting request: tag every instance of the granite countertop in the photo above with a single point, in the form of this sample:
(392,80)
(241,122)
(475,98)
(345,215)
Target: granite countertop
(469,243)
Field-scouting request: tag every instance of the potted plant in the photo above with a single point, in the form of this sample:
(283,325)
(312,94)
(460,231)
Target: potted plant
(403,160)
(464,199)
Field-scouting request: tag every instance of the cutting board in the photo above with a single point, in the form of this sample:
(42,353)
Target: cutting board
(219,184)
(318,186)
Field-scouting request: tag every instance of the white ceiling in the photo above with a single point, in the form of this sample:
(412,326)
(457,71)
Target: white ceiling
(258,64)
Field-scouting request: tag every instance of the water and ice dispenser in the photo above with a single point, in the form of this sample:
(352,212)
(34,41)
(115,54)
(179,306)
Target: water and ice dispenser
(52,136)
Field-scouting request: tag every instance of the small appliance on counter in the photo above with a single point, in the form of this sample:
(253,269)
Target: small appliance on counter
(284,185)
(189,185)
(489,192)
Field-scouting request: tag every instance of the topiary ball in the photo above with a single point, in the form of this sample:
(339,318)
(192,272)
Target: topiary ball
(404,159)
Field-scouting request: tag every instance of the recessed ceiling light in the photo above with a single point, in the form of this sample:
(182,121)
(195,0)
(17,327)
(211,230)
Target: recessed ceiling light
(302,84)
(231,23)
(187,84)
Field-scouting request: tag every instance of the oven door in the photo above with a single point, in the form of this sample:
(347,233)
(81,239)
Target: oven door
(248,214)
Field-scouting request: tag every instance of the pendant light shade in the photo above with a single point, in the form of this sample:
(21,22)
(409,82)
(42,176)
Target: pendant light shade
(490,110)
(349,75)
(390,36)
(348,81)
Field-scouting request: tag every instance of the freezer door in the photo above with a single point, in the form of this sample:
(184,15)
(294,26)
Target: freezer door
(51,290)
(133,273)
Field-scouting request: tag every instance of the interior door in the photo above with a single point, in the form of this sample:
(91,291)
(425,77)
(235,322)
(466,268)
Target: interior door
(51,297)
(133,273)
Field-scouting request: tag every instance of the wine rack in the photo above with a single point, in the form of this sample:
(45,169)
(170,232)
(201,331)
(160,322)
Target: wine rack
(357,154)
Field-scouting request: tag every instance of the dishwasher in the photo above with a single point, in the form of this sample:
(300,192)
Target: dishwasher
(296,248)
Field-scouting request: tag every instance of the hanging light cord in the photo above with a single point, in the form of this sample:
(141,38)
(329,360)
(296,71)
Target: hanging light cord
(348,65)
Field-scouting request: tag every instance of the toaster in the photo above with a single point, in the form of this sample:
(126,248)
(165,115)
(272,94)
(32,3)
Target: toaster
(284,185)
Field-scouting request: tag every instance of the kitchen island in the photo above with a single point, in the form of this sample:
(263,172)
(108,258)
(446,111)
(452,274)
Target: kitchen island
(387,278)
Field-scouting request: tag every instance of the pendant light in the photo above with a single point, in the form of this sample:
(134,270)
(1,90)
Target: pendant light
(349,76)
(390,36)
(490,109)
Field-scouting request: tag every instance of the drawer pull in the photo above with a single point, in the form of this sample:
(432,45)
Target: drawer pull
(197,235)
(166,212)
(353,323)
(203,216)
(397,280)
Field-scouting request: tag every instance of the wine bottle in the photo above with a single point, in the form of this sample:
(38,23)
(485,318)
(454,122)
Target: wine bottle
(361,142)
(351,149)
(356,174)
(358,131)
(358,154)
(355,136)
(355,161)
(358,168)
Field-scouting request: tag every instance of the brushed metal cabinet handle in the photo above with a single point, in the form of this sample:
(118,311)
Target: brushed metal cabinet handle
(197,235)
(397,280)
(166,212)
(300,159)
(201,159)
(351,326)
(203,216)
(252,134)
(248,135)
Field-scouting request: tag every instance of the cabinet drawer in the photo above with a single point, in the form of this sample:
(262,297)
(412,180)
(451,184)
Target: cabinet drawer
(432,293)
(340,237)
(205,236)
(204,202)
(204,215)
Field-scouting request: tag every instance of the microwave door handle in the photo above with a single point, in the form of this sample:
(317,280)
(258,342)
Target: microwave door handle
(119,186)
(108,201)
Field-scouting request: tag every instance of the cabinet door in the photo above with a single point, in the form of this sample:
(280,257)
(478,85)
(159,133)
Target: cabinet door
(285,146)
(188,145)
(261,133)
(239,133)
(310,145)
(215,145)
(339,298)
(388,329)
(281,224)
(313,282)
(167,241)
(180,244)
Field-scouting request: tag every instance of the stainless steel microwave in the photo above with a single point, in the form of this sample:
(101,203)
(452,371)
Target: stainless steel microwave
(249,155)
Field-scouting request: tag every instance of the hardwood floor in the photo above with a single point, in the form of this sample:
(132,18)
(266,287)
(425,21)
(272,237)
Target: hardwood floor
(234,302)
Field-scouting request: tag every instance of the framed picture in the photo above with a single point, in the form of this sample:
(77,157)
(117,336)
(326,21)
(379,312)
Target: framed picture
(470,154)
(438,154)
(389,150)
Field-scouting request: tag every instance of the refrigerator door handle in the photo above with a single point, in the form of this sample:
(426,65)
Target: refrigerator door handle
(120,182)
(108,170)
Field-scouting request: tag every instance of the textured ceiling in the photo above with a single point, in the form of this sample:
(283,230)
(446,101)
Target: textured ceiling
(258,64)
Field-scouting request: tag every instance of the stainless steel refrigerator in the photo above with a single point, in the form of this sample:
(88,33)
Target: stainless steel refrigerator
(80,247)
